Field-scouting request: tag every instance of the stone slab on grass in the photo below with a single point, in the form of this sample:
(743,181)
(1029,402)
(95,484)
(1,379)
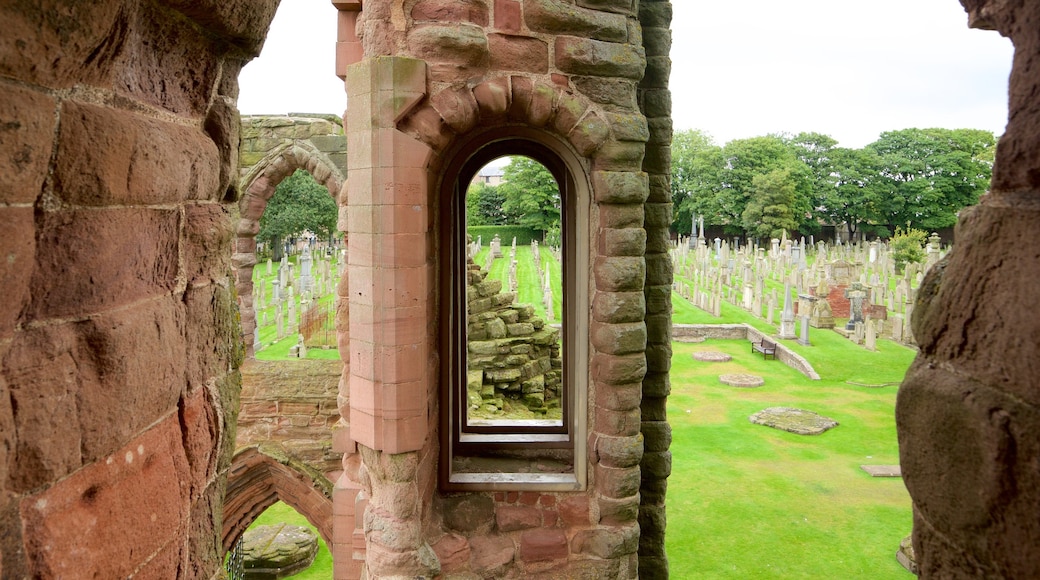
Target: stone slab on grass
(882,470)
(793,420)
(742,380)
(278,551)
(712,356)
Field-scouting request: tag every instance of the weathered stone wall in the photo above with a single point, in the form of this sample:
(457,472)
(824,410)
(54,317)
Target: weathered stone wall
(431,77)
(292,404)
(263,135)
(968,412)
(119,328)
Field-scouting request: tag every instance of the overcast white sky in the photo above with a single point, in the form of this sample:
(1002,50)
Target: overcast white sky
(740,68)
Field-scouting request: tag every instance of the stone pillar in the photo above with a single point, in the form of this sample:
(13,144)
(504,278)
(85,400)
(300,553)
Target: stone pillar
(387,266)
(968,411)
(655,467)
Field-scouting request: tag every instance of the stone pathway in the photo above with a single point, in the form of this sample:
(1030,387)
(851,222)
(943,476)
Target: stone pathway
(712,356)
(742,380)
(793,420)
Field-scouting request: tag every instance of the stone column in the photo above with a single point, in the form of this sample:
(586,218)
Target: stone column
(968,412)
(655,104)
(387,204)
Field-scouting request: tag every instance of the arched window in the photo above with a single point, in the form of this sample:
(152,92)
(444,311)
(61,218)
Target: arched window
(515,376)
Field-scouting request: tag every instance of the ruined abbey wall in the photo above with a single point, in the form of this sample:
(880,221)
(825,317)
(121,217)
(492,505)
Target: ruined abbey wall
(968,412)
(119,328)
(425,80)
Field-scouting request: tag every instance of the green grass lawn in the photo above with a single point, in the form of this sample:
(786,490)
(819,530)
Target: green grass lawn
(748,501)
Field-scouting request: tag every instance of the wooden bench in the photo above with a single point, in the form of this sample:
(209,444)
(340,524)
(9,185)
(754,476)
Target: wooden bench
(767,348)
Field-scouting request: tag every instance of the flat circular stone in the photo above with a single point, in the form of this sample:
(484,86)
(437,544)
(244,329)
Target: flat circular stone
(277,551)
(793,420)
(711,356)
(742,380)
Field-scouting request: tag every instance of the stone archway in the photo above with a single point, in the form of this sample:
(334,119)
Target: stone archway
(272,149)
(260,476)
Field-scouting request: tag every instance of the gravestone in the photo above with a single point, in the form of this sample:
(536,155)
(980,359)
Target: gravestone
(856,295)
(787,316)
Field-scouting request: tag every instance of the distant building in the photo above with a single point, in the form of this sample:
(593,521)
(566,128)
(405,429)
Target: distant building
(489,175)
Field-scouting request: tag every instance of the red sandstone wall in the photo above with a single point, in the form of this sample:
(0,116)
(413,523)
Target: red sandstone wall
(968,412)
(592,73)
(292,404)
(118,388)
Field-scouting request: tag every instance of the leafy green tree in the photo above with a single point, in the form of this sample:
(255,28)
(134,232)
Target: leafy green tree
(771,210)
(531,194)
(299,204)
(484,206)
(907,246)
(934,172)
(697,164)
(747,158)
(855,194)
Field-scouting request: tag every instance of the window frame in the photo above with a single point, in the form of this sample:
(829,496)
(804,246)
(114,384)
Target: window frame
(458,438)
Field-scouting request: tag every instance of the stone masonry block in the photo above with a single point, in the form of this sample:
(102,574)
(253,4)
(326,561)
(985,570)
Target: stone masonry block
(658,70)
(100,267)
(658,270)
(657,41)
(18,246)
(208,238)
(620,452)
(618,369)
(622,241)
(651,14)
(620,156)
(26,137)
(655,102)
(518,53)
(607,91)
(617,423)
(585,56)
(617,482)
(470,11)
(616,307)
(621,216)
(569,110)
(961,442)
(458,109)
(606,542)
(656,464)
(622,338)
(1005,270)
(619,397)
(492,99)
(54,45)
(543,544)
(107,157)
(621,187)
(452,52)
(127,507)
(558,17)
(620,274)
(589,134)
(627,7)
(629,126)
(657,435)
(618,512)
(509,518)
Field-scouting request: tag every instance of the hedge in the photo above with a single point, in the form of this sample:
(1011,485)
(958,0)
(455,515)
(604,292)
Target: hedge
(523,234)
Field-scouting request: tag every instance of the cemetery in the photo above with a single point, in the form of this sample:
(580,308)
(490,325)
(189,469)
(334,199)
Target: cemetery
(142,431)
